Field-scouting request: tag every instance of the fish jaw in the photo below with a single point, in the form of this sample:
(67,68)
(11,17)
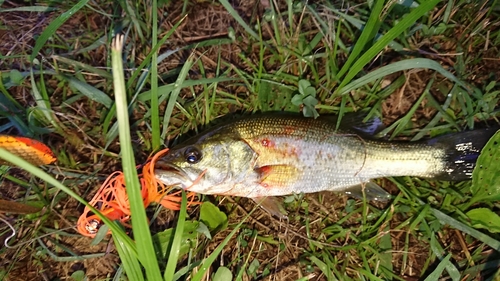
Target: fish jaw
(176,177)
(231,185)
(172,177)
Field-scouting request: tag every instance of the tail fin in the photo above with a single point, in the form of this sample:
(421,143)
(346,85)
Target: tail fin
(462,151)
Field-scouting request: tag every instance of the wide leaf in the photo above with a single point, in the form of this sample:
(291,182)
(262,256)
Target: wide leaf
(486,174)
(484,218)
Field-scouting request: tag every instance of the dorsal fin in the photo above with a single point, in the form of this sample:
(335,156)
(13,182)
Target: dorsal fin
(354,122)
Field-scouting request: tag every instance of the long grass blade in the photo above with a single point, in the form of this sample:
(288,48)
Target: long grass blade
(447,220)
(369,30)
(34,9)
(213,256)
(147,59)
(43,104)
(400,66)
(7,107)
(129,260)
(176,242)
(53,26)
(436,248)
(380,44)
(359,24)
(37,172)
(84,66)
(189,83)
(439,269)
(155,108)
(140,225)
(90,91)
(174,94)
(239,19)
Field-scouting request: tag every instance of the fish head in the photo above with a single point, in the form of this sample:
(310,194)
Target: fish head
(208,166)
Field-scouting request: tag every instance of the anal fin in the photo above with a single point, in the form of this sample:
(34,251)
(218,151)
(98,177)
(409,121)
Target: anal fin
(272,205)
(368,190)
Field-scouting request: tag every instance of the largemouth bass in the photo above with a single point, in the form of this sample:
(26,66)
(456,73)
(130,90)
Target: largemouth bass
(273,155)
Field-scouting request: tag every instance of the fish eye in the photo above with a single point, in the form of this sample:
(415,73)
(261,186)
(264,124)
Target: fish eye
(192,155)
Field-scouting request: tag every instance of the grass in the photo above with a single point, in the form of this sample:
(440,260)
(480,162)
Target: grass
(427,70)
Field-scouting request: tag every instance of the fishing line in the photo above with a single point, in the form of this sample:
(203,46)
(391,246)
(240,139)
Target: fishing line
(12,235)
(6,242)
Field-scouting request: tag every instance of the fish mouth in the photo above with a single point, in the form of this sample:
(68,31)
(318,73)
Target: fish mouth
(171,175)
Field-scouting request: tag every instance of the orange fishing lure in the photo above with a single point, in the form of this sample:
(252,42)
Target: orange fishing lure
(112,201)
(31,150)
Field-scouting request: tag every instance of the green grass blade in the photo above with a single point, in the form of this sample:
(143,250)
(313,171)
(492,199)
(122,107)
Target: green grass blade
(176,242)
(97,43)
(439,269)
(141,67)
(143,97)
(436,248)
(43,104)
(53,26)
(359,24)
(323,267)
(132,11)
(34,9)
(447,220)
(394,32)
(129,260)
(386,246)
(213,256)
(7,107)
(164,92)
(73,257)
(190,83)
(155,108)
(90,91)
(84,66)
(442,113)
(404,122)
(37,172)
(174,94)
(369,30)
(239,19)
(399,66)
(140,224)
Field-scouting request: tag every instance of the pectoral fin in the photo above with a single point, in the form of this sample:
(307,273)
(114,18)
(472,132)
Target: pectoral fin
(371,190)
(272,205)
(277,176)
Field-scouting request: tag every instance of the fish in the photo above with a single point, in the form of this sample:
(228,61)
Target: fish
(267,155)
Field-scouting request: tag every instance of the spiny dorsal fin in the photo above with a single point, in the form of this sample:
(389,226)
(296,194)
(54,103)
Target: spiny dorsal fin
(353,122)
